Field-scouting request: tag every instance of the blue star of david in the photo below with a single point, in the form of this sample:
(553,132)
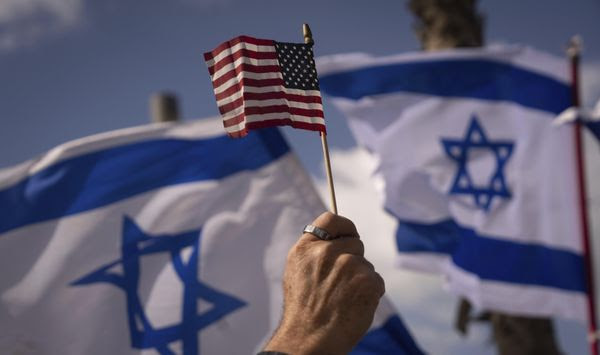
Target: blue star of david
(135,244)
(458,149)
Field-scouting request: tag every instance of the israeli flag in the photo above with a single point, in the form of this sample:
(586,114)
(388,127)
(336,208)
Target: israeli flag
(162,239)
(482,184)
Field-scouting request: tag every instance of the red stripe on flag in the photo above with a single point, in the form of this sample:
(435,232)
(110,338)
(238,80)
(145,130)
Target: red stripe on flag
(309,99)
(271,109)
(228,92)
(268,96)
(238,134)
(223,109)
(239,54)
(248,82)
(256,41)
(234,120)
(286,121)
(245,68)
(277,122)
(258,110)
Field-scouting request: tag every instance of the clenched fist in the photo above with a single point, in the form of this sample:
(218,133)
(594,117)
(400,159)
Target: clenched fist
(330,292)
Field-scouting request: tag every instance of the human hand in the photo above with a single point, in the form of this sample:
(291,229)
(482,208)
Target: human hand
(331,292)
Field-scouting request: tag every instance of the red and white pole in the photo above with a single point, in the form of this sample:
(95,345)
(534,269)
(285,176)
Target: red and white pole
(574,53)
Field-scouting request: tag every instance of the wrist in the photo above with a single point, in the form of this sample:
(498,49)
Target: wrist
(295,340)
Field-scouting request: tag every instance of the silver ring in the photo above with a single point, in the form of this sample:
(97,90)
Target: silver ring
(317,232)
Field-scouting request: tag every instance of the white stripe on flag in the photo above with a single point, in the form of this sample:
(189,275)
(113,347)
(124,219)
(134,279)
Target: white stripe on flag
(265,103)
(274,116)
(236,48)
(248,75)
(243,60)
(265,89)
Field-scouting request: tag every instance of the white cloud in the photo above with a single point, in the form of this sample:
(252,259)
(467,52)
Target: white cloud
(24,22)
(425,307)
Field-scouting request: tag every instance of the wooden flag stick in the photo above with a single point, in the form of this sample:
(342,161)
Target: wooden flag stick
(328,171)
(309,40)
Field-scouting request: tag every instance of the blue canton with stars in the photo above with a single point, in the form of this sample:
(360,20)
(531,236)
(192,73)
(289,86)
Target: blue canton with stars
(136,243)
(297,65)
(458,150)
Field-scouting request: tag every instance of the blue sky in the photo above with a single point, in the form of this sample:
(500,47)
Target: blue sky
(70,68)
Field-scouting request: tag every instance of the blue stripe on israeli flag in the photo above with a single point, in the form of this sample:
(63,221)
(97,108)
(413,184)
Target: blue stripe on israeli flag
(390,338)
(466,78)
(594,127)
(102,177)
(493,258)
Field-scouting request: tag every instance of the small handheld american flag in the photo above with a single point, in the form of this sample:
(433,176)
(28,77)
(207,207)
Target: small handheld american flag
(262,83)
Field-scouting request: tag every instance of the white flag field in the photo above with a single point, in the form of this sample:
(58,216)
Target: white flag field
(482,184)
(162,239)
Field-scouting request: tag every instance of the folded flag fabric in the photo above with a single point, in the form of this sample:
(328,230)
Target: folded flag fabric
(262,83)
(482,184)
(590,118)
(594,127)
(167,239)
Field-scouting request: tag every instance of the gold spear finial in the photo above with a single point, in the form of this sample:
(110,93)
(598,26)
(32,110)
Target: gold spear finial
(575,46)
(307,34)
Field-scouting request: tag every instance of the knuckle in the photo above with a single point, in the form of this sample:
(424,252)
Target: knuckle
(347,261)
(319,259)
(328,215)
(296,252)
(293,252)
(323,250)
(369,281)
(351,245)
(359,245)
(347,224)
(345,227)
(365,278)
(326,219)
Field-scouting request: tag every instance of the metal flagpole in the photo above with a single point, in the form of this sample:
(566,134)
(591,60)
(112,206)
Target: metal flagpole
(309,40)
(164,107)
(574,53)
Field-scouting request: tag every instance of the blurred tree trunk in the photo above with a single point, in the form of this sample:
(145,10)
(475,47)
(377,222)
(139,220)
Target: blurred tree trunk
(444,24)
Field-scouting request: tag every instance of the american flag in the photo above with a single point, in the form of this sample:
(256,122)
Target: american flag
(262,83)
